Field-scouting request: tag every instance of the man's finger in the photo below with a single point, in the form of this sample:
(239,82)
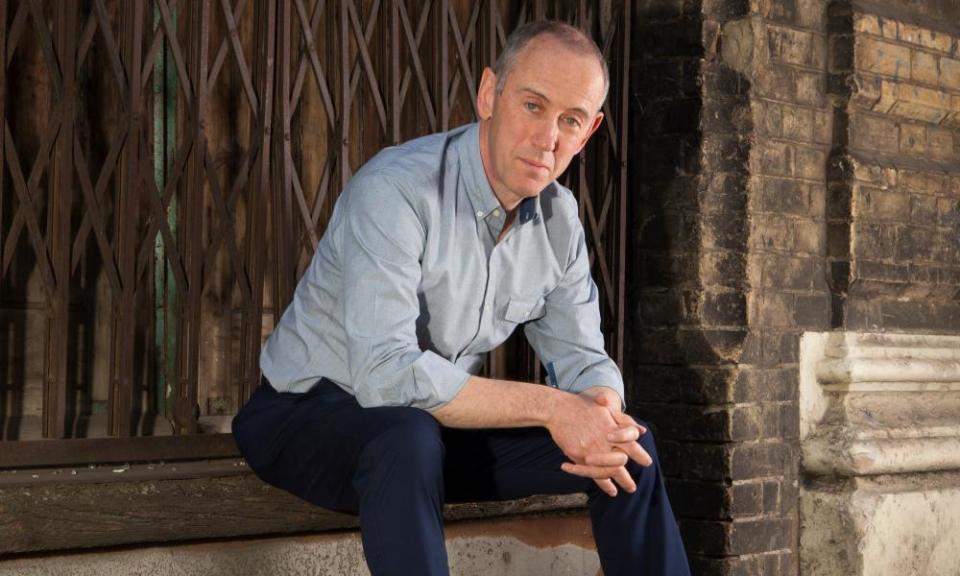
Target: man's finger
(625,420)
(615,459)
(636,453)
(587,471)
(607,486)
(621,435)
(623,478)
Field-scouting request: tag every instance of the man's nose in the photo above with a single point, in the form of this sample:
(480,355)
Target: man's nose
(546,135)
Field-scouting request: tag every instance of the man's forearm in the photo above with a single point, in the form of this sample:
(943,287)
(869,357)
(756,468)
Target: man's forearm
(489,403)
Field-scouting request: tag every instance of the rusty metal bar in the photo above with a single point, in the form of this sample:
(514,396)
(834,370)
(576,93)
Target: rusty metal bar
(25,453)
(186,410)
(444,65)
(345,94)
(624,86)
(122,381)
(55,407)
(395,70)
(282,209)
(259,184)
(3,128)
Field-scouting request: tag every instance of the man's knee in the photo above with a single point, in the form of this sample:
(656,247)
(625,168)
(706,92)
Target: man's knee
(410,446)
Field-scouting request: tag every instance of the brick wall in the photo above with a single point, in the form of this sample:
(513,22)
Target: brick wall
(798,169)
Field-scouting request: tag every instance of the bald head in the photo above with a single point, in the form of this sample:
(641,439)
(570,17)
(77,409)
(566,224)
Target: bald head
(569,37)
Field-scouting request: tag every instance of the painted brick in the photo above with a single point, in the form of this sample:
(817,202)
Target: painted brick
(924,67)
(882,57)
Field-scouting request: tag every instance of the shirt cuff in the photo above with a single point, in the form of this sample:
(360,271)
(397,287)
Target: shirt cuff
(436,381)
(606,375)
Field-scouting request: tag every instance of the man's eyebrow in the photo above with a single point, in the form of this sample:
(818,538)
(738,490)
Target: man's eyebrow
(542,96)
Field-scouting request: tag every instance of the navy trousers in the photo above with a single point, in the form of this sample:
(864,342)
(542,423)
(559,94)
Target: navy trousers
(397,466)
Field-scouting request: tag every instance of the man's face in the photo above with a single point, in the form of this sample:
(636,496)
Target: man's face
(548,109)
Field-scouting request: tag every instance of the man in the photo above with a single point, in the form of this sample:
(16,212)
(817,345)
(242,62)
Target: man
(436,251)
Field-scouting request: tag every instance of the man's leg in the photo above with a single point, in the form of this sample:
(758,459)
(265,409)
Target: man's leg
(386,463)
(636,534)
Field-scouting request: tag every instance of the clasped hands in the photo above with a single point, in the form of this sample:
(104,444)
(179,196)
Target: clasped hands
(599,438)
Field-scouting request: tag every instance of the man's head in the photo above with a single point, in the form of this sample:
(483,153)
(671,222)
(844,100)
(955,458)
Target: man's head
(538,106)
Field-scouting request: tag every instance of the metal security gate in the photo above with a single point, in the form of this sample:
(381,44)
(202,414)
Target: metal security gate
(168,167)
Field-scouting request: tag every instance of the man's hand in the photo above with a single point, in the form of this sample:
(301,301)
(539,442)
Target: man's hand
(609,464)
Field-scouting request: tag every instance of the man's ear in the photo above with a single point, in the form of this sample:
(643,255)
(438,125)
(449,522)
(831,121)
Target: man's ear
(486,94)
(597,121)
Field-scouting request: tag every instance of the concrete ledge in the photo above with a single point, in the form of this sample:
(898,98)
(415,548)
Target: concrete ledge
(556,545)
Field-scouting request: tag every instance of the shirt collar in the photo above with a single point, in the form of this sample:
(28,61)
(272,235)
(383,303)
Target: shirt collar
(481,195)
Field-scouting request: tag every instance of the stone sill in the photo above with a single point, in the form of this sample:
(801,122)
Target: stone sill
(96,508)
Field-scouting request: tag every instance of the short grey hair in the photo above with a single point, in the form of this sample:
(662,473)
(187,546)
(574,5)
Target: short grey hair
(571,37)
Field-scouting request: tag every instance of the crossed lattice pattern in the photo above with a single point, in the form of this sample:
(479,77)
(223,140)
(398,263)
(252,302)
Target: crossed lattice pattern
(185,159)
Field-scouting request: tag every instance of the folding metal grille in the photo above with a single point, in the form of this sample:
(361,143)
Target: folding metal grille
(168,168)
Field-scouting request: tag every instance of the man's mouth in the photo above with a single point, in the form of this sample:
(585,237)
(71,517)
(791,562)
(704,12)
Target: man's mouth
(535,164)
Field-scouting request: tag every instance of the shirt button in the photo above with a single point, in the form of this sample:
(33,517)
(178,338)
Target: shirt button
(496,213)
(479,214)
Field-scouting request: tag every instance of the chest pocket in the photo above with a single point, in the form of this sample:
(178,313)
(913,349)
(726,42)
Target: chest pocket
(521,310)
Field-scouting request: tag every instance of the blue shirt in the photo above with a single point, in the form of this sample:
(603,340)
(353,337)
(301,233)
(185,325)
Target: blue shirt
(409,288)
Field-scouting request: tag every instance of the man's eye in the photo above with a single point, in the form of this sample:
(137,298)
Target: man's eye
(572,122)
(531,106)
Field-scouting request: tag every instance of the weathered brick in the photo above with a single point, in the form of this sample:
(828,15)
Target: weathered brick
(878,204)
(669,308)
(950,74)
(913,139)
(745,499)
(761,535)
(789,272)
(811,14)
(772,504)
(935,40)
(773,232)
(660,384)
(866,23)
(941,144)
(875,240)
(723,268)
(948,212)
(725,231)
(822,127)
(925,104)
(908,33)
(869,132)
(772,310)
(921,181)
(879,57)
(923,209)
(771,118)
(915,243)
(797,123)
(784,196)
(760,459)
(810,163)
(770,564)
(779,10)
(724,309)
(777,82)
(701,500)
(812,311)
(780,347)
(924,67)
(810,88)
(790,46)
(809,237)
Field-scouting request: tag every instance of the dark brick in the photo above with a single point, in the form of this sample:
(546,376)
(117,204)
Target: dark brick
(876,240)
(724,309)
(686,384)
(770,564)
(723,268)
(725,230)
(812,312)
(787,272)
(694,460)
(780,10)
(669,308)
(915,243)
(785,196)
(760,459)
(696,499)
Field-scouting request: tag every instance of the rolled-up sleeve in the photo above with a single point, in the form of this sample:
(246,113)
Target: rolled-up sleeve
(382,242)
(567,337)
